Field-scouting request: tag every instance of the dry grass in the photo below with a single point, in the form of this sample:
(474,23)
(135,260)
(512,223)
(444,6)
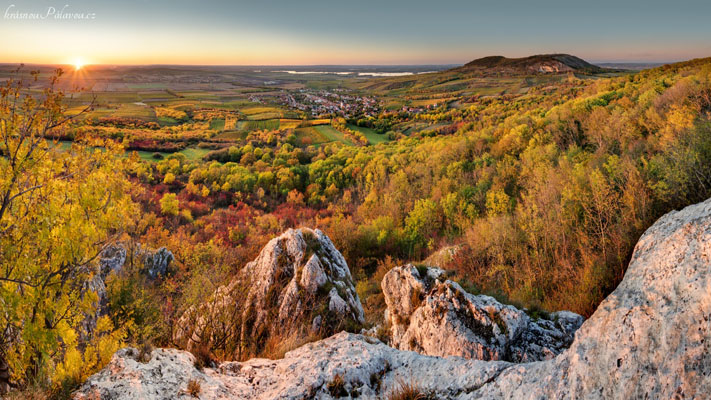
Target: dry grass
(203,357)
(409,391)
(29,393)
(337,387)
(277,346)
(145,352)
(194,388)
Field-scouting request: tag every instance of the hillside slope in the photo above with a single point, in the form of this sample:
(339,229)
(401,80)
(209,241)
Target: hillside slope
(541,63)
(502,73)
(648,339)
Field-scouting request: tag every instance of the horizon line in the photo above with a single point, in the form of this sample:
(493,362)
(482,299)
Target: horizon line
(5,63)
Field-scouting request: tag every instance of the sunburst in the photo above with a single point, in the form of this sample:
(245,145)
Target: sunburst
(78,64)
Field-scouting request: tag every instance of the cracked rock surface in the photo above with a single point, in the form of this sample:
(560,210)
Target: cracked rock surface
(435,316)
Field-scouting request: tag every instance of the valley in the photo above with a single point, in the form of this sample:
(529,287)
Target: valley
(245,213)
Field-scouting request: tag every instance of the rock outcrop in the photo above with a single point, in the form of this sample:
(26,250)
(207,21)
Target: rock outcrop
(435,316)
(442,257)
(299,285)
(649,339)
(114,258)
(367,368)
(153,263)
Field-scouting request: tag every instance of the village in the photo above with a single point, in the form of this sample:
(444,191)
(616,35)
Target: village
(324,102)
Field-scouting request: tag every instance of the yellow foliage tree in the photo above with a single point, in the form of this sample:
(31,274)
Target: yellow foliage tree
(58,210)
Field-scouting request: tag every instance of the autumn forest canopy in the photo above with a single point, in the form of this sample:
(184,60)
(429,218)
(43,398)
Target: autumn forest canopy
(529,184)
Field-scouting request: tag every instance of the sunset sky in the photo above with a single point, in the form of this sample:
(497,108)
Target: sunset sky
(280,32)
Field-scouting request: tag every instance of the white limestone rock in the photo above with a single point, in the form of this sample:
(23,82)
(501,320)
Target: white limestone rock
(369,369)
(297,277)
(434,316)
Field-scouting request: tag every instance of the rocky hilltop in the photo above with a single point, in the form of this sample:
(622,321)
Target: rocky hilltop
(650,338)
(299,285)
(536,64)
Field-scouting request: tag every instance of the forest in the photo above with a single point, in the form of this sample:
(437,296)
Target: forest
(535,198)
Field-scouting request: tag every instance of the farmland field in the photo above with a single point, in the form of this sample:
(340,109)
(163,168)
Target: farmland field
(265,115)
(190,153)
(258,110)
(331,134)
(130,110)
(289,123)
(269,125)
(372,136)
(217,124)
(231,135)
(310,135)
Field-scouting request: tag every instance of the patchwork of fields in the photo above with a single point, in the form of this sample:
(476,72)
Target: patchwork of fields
(204,113)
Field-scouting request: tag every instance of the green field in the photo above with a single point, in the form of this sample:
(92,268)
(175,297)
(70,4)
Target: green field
(269,125)
(232,135)
(191,153)
(130,110)
(289,123)
(266,115)
(167,121)
(372,136)
(331,134)
(309,135)
(258,110)
(217,124)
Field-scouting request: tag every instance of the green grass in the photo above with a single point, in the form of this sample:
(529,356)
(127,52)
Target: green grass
(289,123)
(149,85)
(157,96)
(332,135)
(217,124)
(372,136)
(266,115)
(232,135)
(112,97)
(258,110)
(131,110)
(167,121)
(192,153)
(311,134)
(269,125)
(290,114)
(62,145)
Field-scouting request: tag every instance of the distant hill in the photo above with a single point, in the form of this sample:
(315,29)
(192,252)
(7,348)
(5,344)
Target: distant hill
(493,76)
(538,64)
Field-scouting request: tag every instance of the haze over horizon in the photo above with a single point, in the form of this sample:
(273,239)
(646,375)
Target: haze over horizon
(340,33)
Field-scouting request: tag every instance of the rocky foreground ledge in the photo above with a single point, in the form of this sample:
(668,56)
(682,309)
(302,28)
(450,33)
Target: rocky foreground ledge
(649,339)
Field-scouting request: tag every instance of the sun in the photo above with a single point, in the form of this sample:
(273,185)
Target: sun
(78,64)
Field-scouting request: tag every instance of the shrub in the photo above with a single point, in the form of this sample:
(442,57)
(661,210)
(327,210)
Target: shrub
(169,204)
(203,357)
(410,391)
(194,388)
(337,387)
(145,352)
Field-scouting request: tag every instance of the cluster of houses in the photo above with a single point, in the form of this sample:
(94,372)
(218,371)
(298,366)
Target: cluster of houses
(324,102)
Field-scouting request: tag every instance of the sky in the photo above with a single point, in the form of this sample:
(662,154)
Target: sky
(339,32)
